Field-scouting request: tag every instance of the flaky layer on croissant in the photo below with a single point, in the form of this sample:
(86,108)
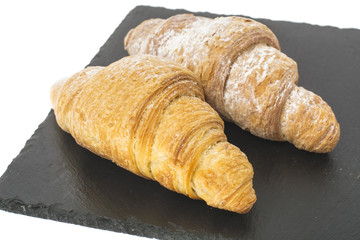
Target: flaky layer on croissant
(245,76)
(149,116)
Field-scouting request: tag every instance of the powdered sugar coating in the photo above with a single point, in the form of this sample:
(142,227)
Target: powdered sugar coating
(255,88)
(192,41)
(189,40)
(308,122)
(139,43)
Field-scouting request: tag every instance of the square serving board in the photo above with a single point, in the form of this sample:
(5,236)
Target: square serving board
(301,195)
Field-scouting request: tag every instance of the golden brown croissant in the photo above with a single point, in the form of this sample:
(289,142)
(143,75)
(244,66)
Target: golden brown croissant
(245,76)
(149,116)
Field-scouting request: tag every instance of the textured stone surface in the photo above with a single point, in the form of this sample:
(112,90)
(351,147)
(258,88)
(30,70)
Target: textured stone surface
(301,195)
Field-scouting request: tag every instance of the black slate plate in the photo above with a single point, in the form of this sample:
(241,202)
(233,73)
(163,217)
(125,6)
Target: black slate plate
(301,195)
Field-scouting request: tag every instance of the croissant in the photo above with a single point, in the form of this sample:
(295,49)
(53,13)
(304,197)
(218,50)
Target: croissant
(245,76)
(149,116)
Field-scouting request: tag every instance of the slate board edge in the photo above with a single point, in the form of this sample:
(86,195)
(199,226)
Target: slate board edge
(141,7)
(130,226)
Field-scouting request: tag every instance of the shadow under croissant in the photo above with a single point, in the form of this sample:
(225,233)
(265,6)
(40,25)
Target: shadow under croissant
(283,173)
(265,154)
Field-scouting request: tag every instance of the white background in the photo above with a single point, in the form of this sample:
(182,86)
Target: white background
(42,41)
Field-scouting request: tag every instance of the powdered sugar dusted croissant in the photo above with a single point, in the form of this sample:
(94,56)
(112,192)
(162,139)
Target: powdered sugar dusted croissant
(245,76)
(149,116)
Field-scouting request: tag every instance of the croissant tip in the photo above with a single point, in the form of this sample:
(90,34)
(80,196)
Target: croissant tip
(331,140)
(247,207)
(127,39)
(54,90)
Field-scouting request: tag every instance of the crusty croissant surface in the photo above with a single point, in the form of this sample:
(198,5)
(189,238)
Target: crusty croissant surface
(245,76)
(149,116)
